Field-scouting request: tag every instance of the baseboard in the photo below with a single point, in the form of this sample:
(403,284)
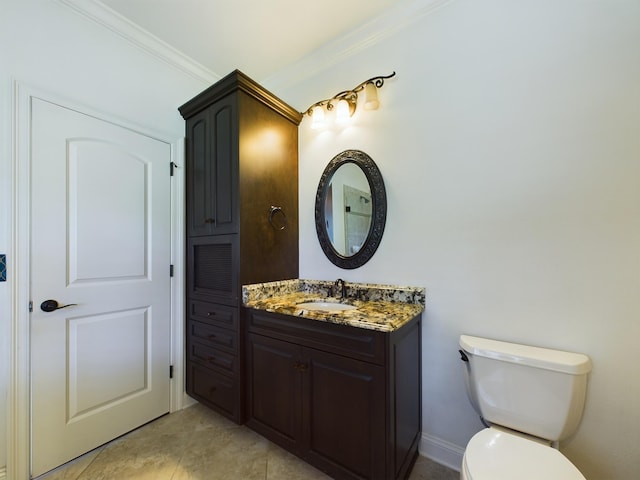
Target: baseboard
(441,451)
(3,473)
(187,401)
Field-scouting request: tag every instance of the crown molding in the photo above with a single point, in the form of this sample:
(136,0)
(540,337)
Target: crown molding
(369,34)
(98,12)
(381,27)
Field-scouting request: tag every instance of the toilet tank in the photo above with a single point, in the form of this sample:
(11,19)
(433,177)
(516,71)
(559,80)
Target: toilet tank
(533,390)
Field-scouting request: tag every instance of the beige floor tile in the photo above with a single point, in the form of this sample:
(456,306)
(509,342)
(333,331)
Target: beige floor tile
(198,444)
(72,469)
(281,465)
(191,419)
(138,455)
(214,454)
(426,469)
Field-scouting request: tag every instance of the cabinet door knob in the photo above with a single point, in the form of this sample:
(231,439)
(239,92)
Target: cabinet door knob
(302,367)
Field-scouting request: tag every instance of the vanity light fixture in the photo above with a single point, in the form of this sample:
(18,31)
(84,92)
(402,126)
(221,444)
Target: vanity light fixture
(345,102)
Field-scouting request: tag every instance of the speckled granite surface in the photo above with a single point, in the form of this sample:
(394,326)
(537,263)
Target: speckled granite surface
(379,307)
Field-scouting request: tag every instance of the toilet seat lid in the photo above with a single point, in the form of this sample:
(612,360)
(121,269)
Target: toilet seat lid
(494,454)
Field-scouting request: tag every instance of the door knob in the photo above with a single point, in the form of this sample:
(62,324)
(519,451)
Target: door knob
(51,305)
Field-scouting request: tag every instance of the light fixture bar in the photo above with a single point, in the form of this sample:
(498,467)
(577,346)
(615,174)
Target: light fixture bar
(350,96)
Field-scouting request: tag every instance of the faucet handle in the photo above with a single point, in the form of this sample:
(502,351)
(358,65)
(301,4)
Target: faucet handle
(342,285)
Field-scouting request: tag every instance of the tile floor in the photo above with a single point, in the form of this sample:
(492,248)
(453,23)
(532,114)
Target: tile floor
(198,444)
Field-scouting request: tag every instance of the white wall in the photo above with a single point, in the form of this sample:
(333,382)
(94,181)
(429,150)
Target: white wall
(46,45)
(509,142)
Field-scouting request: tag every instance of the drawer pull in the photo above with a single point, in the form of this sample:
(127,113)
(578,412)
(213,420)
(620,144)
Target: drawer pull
(211,314)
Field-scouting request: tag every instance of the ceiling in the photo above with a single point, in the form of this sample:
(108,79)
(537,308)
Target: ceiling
(259,37)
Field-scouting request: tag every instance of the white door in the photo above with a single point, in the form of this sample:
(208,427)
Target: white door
(100,239)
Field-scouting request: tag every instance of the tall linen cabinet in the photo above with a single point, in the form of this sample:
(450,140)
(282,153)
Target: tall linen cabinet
(241,225)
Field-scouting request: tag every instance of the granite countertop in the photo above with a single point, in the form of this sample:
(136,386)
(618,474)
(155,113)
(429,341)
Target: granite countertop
(378,307)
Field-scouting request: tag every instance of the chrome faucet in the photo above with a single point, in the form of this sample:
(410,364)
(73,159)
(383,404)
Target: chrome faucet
(342,286)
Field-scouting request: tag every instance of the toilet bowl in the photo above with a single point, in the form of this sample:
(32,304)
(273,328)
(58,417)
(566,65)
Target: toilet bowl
(496,454)
(530,398)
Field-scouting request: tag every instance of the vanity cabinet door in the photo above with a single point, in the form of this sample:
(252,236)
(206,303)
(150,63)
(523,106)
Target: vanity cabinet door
(326,408)
(274,390)
(344,415)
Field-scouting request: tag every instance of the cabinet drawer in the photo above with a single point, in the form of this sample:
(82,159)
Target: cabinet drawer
(215,390)
(220,338)
(358,343)
(214,314)
(213,358)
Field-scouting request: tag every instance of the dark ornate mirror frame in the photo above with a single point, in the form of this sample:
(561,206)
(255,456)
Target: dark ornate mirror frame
(378,216)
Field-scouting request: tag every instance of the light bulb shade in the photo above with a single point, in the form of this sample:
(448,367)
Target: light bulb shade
(371,97)
(317,117)
(343,111)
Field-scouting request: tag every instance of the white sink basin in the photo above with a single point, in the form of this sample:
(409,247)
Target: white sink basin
(326,306)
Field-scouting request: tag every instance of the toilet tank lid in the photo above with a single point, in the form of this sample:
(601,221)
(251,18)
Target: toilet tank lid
(557,360)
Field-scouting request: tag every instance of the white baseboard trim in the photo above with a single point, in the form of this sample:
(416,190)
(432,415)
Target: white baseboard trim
(187,401)
(441,451)
(3,473)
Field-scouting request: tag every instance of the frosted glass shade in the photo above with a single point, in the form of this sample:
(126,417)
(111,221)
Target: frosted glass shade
(317,118)
(371,97)
(342,111)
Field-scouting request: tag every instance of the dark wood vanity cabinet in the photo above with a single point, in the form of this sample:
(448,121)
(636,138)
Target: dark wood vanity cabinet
(345,399)
(241,223)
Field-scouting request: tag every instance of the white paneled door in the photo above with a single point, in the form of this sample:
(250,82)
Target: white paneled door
(100,248)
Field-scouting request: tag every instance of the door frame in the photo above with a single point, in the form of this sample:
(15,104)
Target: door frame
(19,386)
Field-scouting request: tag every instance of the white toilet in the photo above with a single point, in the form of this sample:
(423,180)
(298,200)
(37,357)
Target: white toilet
(530,398)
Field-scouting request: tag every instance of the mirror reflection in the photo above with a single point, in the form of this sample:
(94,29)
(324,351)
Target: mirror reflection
(351,209)
(347,209)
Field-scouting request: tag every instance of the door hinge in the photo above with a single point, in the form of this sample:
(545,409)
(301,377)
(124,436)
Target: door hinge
(171,270)
(172,166)
(170,371)
(30,307)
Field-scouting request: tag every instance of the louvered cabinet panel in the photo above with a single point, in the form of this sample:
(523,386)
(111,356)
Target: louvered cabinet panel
(212,269)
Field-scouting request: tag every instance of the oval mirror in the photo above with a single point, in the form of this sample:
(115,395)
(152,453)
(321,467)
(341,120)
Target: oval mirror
(351,209)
